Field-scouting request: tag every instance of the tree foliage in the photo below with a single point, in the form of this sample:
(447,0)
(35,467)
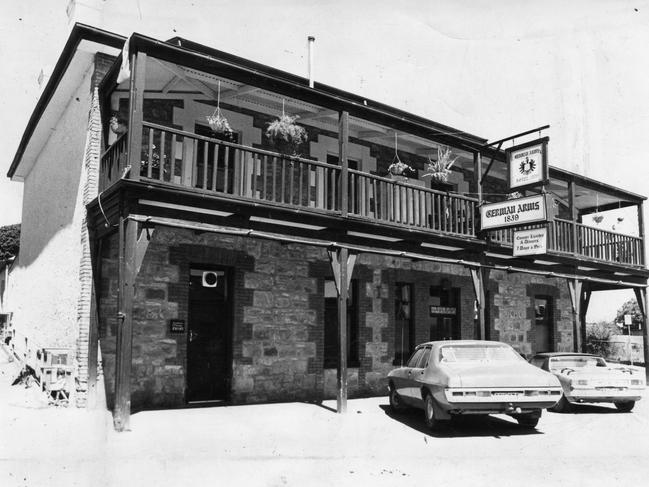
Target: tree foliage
(597,339)
(9,241)
(629,308)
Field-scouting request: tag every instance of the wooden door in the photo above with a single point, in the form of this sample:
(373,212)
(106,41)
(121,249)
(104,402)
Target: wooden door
(209,336)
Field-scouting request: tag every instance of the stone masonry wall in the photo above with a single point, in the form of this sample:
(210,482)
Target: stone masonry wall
(513,310)
(278,315)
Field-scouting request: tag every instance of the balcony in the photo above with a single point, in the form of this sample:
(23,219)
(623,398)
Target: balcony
(215,167)
(245,177)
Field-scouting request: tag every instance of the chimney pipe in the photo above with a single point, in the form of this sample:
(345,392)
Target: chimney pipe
(311,41)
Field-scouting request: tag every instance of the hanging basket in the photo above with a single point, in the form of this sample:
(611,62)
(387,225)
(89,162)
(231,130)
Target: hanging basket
(440,169)
(598,219)
(218,123)
(285,135)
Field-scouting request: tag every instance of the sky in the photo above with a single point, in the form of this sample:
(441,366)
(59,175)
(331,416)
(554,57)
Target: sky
(489,67)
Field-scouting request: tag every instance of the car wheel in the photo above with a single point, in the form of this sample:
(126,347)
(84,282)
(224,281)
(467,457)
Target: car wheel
(528,420)
(563,406)
(624,406)
(429,413)
(396,403)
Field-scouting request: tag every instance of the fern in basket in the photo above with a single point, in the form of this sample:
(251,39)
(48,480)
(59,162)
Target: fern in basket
(285,134)
(440,169)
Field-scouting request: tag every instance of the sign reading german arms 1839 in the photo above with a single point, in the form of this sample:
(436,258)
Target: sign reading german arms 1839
(520,211)
(528,164)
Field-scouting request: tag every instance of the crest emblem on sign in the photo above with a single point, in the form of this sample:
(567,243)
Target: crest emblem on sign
(527,166)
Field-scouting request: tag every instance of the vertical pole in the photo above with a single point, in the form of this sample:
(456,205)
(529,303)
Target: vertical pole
(477,175)
(573,217)
(341,383)
(641,298)
(93,331)
(136,117)
(583,311)
(478,286)
(641,258)
(343,151)
(574,286)
(126,281)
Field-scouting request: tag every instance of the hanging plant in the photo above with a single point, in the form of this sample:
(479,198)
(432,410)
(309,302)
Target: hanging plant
(440,169)
(398,168)
(217,121)
(598,218)
(285,134)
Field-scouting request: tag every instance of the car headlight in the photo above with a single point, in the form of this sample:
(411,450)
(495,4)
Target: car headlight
(636,382)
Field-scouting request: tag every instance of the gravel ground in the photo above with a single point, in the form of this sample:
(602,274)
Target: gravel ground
(308,444)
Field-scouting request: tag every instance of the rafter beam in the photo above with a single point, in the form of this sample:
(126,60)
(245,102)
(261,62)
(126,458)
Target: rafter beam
(316,115)
(241,91)
(179,73)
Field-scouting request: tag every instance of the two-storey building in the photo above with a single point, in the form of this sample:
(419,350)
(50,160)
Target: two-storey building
(200,264)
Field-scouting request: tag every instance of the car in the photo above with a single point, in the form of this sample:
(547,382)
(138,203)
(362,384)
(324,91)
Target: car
(588,378)
(452,378)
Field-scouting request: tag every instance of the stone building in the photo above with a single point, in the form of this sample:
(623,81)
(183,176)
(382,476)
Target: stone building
(198,264)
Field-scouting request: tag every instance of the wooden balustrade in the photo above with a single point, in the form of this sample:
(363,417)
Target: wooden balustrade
(382,199)
(113,162)
(184,159)
(592,242)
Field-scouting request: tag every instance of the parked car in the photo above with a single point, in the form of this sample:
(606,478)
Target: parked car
(587,378)
(457,377)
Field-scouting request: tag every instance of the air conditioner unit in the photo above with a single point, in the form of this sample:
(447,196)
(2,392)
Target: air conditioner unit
(210,278)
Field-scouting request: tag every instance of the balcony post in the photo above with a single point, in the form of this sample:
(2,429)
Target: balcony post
(573,217)
(135,117)
(641,250)
(477,175)
(575,288)
(126,291)
(342,266)
(641,298)
(343,151)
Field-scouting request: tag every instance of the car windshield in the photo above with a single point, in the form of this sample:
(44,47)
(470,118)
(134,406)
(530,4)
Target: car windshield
(478,353)
(575,362)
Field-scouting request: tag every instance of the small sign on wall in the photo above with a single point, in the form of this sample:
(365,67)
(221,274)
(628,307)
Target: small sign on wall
(530,242)
(442,310)
(177,326)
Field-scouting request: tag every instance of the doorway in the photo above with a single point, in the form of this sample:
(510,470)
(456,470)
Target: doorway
(543,324)
(209,337)
(444,313)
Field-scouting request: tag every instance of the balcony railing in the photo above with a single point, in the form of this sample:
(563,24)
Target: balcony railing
(593,243)
(183,159)
(177,158)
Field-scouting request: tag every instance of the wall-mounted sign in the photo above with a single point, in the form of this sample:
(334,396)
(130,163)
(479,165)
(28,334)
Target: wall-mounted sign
(520,211)
(442,310)
(177,326)
(528,164)
(530,242)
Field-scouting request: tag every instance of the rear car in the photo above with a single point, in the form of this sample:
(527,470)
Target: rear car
(587,378)
(466,377)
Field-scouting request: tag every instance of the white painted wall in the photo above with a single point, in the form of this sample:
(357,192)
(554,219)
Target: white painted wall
(45,281)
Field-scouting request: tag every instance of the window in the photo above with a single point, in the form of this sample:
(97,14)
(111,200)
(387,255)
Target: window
(331,325)
(204,178)
(416,357)
(404,336)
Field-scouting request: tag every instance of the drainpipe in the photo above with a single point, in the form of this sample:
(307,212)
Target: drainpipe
(311,41)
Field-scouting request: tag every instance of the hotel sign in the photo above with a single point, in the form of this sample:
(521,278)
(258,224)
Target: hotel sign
(528,164)
(530,242)
(520,211)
